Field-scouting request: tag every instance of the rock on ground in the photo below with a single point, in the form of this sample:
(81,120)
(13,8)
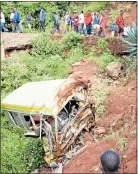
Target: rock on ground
(113,70)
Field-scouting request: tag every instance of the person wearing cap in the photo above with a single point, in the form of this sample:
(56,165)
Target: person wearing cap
(42,19)
(56,23)
(120,23)
(75,21)
(110,162)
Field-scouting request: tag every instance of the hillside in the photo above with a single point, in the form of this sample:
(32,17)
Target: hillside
(80,59)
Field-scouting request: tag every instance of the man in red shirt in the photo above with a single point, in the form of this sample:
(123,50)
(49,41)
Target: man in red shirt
(88,22)
(75,19)
(120,23)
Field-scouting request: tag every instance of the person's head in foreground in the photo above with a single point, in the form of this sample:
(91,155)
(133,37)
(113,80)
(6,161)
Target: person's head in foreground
(110,162)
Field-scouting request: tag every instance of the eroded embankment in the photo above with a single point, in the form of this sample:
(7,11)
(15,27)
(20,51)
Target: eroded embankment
(119,122)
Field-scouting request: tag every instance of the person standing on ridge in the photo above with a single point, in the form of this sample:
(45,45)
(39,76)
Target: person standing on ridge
(88,22)
(103,24)
(15,21)
(67,22)
(2,20)
(81,22)
(97,23)
(75,21)
(29,21)
(120,23)
(56,23)
(42,19)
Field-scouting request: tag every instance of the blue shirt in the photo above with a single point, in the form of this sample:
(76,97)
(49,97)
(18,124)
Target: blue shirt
(113,27)
(16,17)
(96,20)
(42,15)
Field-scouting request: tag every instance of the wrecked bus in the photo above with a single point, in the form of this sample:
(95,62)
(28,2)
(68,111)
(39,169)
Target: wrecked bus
(55,111)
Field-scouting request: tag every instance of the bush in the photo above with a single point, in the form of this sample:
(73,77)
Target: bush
(95,6)
(30,7)
(19,154)
(102,45)
(71,39)
(103,60)
(44,46)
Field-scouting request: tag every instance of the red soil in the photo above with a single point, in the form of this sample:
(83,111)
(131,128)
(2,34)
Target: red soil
(77,78)
(115,46)
(121,105)
(89,160)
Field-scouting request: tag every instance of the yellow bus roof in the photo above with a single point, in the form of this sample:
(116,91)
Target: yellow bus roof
(34,97)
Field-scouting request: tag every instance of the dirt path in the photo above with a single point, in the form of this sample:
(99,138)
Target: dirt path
(17,40)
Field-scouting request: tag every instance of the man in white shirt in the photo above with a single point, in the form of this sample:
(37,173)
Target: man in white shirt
(81,22)
(2,20)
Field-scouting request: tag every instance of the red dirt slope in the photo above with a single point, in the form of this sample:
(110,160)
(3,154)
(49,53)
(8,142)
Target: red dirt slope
(121,111)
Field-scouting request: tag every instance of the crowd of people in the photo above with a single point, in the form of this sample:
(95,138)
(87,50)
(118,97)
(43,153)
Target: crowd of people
(95,23)
(89,24)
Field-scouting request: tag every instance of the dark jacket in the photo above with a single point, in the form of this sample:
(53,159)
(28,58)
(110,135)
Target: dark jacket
(56,20)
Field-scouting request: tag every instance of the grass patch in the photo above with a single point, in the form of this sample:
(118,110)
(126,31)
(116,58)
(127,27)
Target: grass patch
(121,141)
(134,133)
(102,60)
(100,92)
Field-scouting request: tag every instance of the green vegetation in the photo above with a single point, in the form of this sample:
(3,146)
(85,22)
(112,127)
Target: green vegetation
(96,6)
(49,59)
(30,7)
(134,133)
(101,91)
(103,60)
(71,40)
(60,7)
(132,41)
(122,142)
(19,154)
(102,45)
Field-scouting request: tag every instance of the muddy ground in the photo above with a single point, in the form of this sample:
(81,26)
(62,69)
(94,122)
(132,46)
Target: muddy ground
(119,119)
(115,46)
